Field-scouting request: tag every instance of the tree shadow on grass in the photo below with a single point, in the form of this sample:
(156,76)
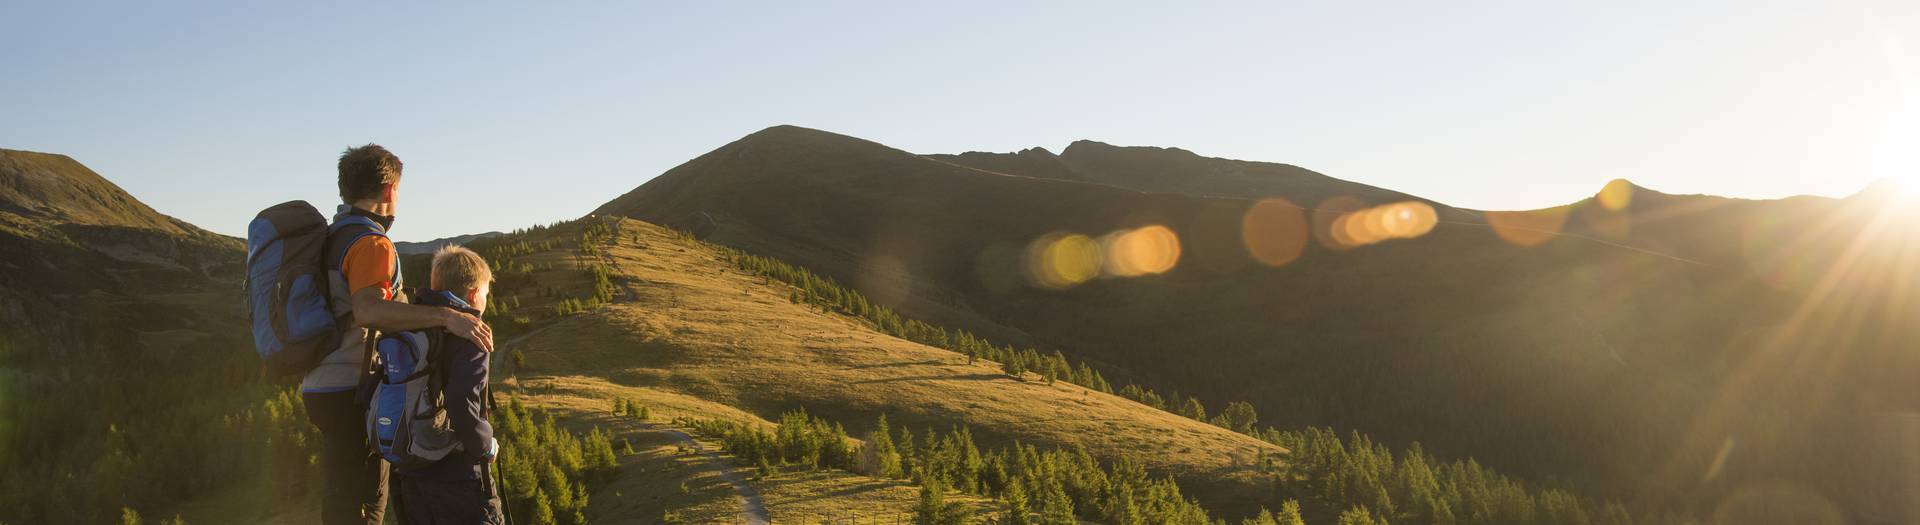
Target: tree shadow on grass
(967,377)
(895,364)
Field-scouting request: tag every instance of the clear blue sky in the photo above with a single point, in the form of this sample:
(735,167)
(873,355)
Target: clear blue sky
(509,115)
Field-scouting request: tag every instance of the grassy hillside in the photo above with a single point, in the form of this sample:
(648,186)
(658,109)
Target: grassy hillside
(124,363)
(1758,380)
(692,335)
(1528,340)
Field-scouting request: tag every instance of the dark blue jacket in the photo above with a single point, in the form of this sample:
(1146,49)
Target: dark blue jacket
(466,398)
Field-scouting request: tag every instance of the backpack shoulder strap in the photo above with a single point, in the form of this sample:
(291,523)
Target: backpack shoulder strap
(344,233)
(437,356)
(349,230)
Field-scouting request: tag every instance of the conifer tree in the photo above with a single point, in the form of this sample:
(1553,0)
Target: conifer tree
(559,492)
(908,458)
(1289,514)
(1055,507)
(1017,504)
(886,457)
(542,510)
(971,461)
(599,450)
(1192,409)
(933,508)
(1239,416)
(1359,515)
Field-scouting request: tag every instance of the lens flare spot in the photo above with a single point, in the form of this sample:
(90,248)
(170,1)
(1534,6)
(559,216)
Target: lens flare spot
(1422,218)
(1719,460)
(1527,228)
(1062,260)
(1617,195)
(1328,226)
(1274,231)
(1609,223)
(885,279)
(1142,251)
(1400,220)
(1360,228)
(1777,502)
(998,267)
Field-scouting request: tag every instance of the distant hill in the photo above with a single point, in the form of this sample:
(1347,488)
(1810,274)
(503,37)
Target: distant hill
(1617,361)
(1175,170)
(427,247)
(50,189)
(69,231)
(120,330)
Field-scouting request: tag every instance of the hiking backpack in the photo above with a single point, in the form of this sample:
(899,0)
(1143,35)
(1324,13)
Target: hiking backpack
(407,417)
(289,298)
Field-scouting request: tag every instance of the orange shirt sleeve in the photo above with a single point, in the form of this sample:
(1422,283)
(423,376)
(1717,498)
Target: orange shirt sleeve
(369,262)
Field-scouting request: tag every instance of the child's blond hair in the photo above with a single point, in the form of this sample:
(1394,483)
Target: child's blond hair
(458,269)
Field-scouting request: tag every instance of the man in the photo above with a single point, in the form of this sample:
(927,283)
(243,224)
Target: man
(457,489)
(364,273)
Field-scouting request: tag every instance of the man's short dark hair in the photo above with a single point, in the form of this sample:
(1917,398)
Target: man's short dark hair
(366,171)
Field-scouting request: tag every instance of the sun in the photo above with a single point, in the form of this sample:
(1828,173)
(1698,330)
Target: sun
(1907,190)
(1899,191)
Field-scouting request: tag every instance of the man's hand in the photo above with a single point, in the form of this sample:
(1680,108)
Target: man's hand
(471,328)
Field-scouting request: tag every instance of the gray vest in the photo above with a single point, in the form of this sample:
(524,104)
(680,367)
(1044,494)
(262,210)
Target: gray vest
(341,369)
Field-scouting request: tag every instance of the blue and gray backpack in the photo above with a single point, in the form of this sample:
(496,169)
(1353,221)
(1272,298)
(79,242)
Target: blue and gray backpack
(407,417)
(289,300)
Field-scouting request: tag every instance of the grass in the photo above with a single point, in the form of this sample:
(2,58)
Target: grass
(841,497)
(690,335)
(648,488)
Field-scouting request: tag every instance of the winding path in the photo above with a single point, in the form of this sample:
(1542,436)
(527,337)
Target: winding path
(753,509)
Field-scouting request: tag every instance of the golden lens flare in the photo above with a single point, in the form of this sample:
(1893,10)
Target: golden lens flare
(1058,261)
(1142,251)
(1351,230)
(1274,231)
(1617,195)
(1413,219)
(1328,225)
(1400,220)
(1527,228)
(1610,224)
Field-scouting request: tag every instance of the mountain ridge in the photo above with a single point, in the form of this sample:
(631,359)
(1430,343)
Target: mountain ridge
(1516,320)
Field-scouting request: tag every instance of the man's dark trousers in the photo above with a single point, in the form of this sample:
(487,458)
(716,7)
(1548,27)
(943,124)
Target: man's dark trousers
(355,477)
(428,501)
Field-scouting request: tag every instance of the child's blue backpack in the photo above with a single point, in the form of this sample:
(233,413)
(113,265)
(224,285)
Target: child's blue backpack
(407,417)
(289,300)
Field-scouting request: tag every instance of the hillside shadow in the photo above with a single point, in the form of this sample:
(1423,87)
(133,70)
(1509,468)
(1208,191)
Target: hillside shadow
(967,377)
(895,364)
